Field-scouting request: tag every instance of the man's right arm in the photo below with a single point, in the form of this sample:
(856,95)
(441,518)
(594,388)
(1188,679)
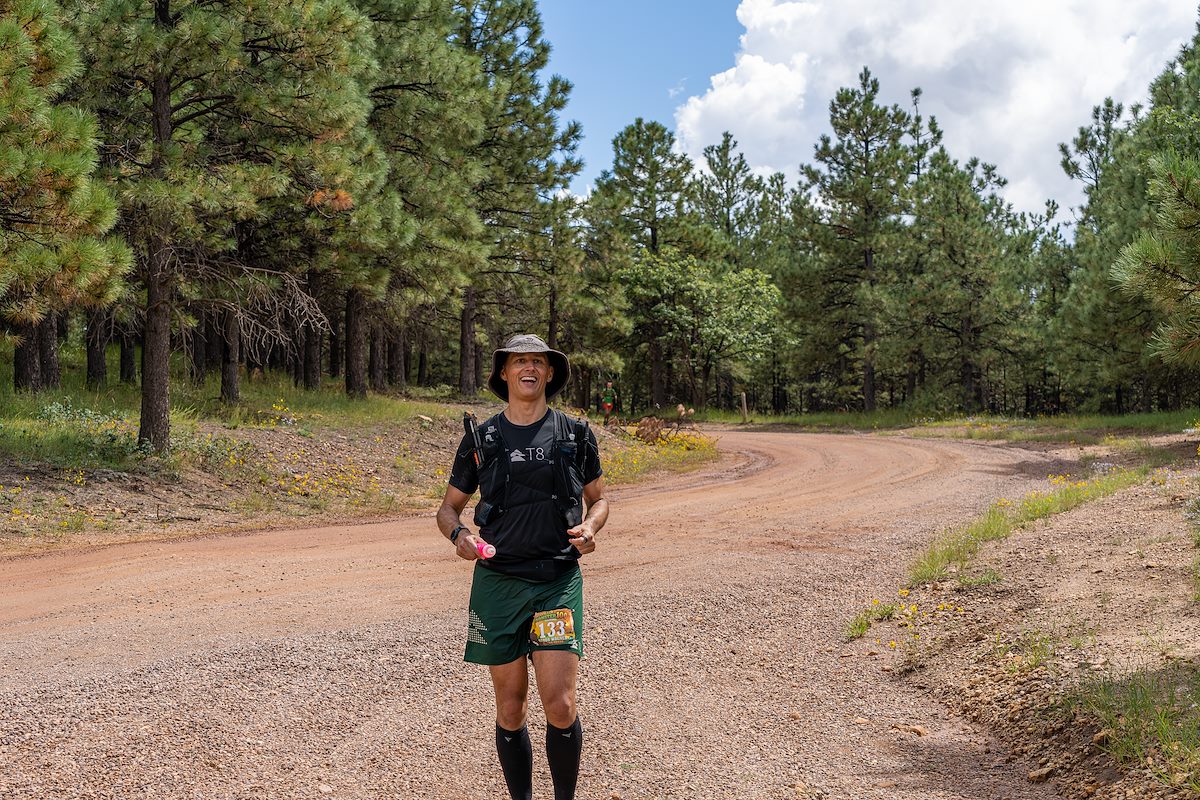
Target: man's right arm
(449,517)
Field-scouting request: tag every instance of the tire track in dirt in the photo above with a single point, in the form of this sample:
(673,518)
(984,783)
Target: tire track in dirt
(716,666)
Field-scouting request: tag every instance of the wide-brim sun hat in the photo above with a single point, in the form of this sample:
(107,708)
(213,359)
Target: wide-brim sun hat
(529,343)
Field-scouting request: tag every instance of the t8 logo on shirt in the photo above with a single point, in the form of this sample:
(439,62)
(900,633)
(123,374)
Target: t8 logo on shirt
(528,454)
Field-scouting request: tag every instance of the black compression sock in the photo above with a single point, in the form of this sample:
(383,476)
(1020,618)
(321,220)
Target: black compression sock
(563,747)
(516,759)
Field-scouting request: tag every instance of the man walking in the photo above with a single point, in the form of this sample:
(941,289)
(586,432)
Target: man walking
(537,472)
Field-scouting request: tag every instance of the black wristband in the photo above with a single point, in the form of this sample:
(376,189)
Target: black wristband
(457,530)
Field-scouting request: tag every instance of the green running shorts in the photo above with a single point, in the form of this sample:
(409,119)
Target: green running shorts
(510,617)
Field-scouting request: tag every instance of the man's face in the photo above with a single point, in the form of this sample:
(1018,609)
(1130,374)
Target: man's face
(527,375)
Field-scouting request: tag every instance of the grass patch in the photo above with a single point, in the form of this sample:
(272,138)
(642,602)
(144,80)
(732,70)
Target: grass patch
(1151,719)
(273,401)
(1196,578)
(885,419)
(1191,513)
(1002,517)
(268,400)
(1067,428)
(1031,650)
(629,459)
(909,616)
(989,577)
(857,627)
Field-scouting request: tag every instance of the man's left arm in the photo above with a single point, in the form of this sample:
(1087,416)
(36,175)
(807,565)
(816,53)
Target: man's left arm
(583,535)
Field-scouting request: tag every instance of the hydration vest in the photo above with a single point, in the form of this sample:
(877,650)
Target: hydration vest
(570,442)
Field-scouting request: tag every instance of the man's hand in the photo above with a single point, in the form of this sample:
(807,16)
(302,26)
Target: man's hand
(467,546)
(583,537)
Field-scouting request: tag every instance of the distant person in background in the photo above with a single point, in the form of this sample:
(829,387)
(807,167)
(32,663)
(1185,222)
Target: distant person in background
(608,401)
(536,473)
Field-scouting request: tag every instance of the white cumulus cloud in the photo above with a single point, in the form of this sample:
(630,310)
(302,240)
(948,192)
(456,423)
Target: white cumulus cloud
(1006,81)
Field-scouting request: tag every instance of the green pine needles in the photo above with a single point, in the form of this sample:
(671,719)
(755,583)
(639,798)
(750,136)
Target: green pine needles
(53,213)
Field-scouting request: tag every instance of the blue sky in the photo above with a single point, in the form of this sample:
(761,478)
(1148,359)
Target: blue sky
(625,59)
(1006,81)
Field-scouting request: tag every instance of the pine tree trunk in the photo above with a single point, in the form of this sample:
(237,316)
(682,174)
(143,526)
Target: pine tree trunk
(467,370)
(356,357)
(480,361)
(408,357)
(395,358)
(155,425)
(27,360)
(423,367)
(48,352)
(376,364)
(275,358)
(96,341)
(868,368)
(231,359)
(335,344)
(312,358)
(552,327)
(128,360)
(669,377)
(581,388)
(198,349)
(658,389)
(967,366)
(155,428)
(296,361)
(214,341)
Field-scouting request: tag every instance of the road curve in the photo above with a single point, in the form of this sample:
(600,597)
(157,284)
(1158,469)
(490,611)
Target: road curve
(301,659)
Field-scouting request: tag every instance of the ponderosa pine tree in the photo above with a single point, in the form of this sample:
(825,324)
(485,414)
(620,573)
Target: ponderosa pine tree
(428,118)
(1163,264)
(647,185)
(966,292)
(53,214)
(524,156)
(1101,335)
(194,100)
(859,180)
(772,245)
(724,192)
(578,288)
(644,197)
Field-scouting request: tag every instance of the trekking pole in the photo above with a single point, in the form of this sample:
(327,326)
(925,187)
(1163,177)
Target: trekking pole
(472,428)
(484,549)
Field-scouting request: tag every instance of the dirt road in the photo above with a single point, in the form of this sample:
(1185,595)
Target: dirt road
(327,663)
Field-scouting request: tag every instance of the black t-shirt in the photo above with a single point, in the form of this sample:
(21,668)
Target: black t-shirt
(530,536)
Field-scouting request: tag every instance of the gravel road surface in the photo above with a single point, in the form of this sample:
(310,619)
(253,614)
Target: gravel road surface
(326,663)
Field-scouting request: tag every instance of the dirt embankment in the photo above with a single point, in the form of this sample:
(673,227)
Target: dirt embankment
(282,472)
(1100,596)
(326,662)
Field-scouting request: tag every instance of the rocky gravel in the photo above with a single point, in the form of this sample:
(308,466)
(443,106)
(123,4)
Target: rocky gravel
(717,665)
(1098,593)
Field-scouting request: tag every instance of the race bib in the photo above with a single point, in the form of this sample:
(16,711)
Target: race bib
(553,627)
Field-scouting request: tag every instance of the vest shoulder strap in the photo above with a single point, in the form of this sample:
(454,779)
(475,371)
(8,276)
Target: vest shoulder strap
(489,434)
(581,441)
(569,429)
